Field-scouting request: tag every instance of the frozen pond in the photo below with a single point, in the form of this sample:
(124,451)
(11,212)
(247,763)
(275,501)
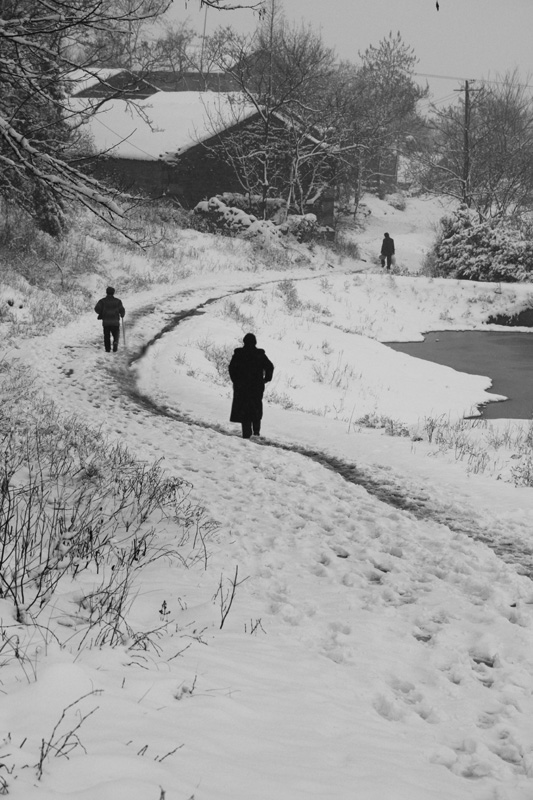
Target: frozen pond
(506,357)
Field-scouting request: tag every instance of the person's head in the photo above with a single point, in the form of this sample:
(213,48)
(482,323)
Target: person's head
(386,235)
(250,340)
(110,291)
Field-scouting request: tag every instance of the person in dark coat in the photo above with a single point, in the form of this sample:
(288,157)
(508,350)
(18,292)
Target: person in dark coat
(110,310)
(387,250)
(249,370)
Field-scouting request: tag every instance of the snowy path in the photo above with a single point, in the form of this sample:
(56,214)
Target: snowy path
(397,660)
(434,504)
(448,505)
(413,235)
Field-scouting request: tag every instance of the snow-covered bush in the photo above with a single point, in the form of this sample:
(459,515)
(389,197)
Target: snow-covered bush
(492,250)
(275,207)
(397,201)
(304,227)
(216,216)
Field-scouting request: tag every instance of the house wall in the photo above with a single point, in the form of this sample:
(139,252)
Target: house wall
(197,176)
(133,176)
(324,208)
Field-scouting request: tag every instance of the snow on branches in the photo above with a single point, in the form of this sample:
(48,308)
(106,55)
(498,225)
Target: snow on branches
(38,142)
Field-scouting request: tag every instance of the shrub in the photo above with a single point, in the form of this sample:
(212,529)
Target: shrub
(215,216)
(275,207)
(159,212)
(219,356)
(41,259)
(397,201)
(491,250)
(345,247)
(232,310)
(304,227)
(288,291)
(71,502)
(391,426)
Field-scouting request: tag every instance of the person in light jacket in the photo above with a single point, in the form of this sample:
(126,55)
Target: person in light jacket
(249,370)
(387,250)
(110,310)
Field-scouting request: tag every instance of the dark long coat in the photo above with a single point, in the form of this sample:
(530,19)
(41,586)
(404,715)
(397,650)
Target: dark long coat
(387,246)
(249,370)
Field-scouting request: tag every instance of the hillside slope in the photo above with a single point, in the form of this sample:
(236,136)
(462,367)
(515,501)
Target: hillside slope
(328,641)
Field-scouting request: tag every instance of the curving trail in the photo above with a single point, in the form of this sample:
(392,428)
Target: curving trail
(72,374)
(374,597)
(389,489)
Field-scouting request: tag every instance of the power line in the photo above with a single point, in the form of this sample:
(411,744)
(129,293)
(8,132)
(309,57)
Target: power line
(426,103)
(443,99)
(444,77)
(479,80)
(122,138)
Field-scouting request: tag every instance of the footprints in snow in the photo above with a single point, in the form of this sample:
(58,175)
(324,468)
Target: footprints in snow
(491,742)
(373,569)
(339,551)
(404,698)
(500,754)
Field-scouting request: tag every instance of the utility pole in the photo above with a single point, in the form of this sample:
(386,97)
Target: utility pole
(467,198)
(466,147)
(203,43)
(271,29)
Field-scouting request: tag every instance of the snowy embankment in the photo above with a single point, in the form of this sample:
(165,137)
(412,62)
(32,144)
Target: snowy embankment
(367,653)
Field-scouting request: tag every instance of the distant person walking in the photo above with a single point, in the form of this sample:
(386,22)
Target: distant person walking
(249,370)
(110,310)
(387,250)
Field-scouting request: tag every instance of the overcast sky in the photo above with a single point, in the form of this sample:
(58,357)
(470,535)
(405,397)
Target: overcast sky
(464,39)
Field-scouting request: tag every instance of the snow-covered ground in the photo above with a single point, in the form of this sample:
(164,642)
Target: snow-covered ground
(371,651)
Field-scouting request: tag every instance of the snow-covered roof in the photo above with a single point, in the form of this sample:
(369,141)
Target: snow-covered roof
(79,80)
(163,125)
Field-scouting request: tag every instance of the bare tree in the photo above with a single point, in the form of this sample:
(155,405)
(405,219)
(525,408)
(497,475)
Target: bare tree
(279,73)
(41,43)
(368,109)
(37,144)
(232,5)
(175,50)
(483,154)
(124,41)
